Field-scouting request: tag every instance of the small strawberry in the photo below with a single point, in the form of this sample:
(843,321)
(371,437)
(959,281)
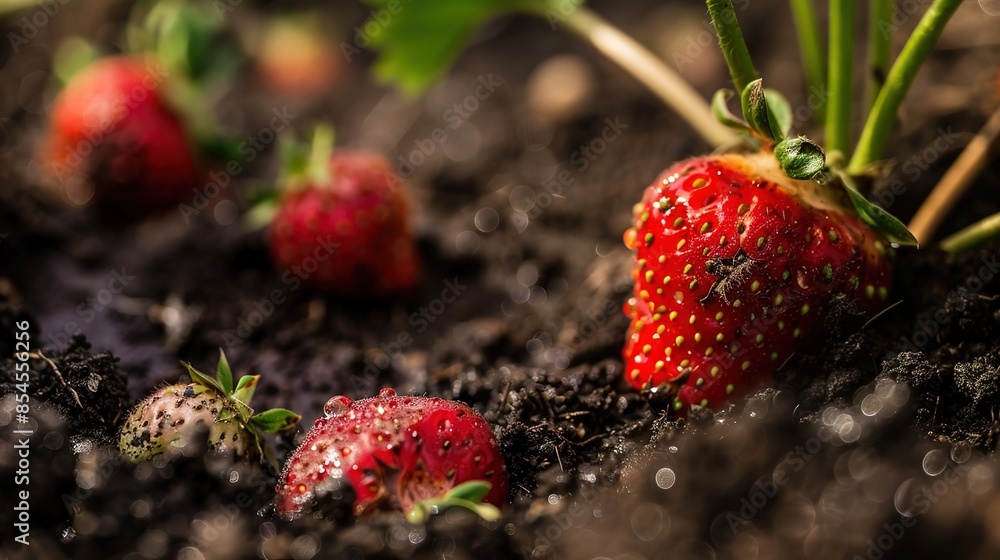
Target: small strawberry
(173,413)
(343,224)
(735,262)
(397,453)
(112,136)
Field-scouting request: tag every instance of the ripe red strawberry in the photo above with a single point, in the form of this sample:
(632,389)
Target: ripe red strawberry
(112,135)
(347,229)
(395,452)
(734,264)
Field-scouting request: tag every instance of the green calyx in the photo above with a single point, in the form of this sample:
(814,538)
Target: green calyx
(307,163)
(767,117)
(468,495)
(240,412)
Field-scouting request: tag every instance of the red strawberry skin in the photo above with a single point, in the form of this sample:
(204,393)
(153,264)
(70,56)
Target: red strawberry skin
(364,211)
(734,265)
(111,131)
(394,451)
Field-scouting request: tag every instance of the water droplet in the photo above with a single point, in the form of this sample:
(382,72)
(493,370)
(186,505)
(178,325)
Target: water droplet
(387,392)
(960,452)
(935,462)
(665,478)
(68,534)
(871,405)
(991,7)
(467,242)
(487,219)
(336,406)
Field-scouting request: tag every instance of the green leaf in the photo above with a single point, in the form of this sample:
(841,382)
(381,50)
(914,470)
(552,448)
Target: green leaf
(245,388)
(275,420)
(766,111)
(800,158)
(412,57)
(224,374)
(779,111)
(721,112)
(472,491)
(884,222)
(201,378)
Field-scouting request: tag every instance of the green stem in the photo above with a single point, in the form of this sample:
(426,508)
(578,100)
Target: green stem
(879,46)
(978,233)
(841,77)
(651,71)
(734,48)
(812,51)
(878,127)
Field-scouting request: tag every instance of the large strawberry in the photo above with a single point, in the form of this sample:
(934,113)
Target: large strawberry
(112,137)
(167,418)
(343,224)
(396,452)
(734,264)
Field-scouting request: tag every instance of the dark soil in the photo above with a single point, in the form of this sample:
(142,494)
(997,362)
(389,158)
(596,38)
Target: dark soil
(872,419)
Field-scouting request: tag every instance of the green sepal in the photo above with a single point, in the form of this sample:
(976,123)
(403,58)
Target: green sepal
(468,495)
(224,374)
(766,111)
(275,420)
(306,162)
(883,222)
(202,379)
(721,112)
(800,158)
(245,388)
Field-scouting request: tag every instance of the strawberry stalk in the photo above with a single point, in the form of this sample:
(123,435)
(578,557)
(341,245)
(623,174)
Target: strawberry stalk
(879,45)
(973,236)
(651,71)
(954,183)
(840,77)
(734,48)
(811,47)
(878,127)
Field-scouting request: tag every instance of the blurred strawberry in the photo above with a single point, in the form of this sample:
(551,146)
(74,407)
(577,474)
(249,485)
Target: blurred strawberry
(113,138)
(343,223)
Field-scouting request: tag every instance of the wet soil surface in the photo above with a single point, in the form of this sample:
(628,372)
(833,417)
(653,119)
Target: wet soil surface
(876,440)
